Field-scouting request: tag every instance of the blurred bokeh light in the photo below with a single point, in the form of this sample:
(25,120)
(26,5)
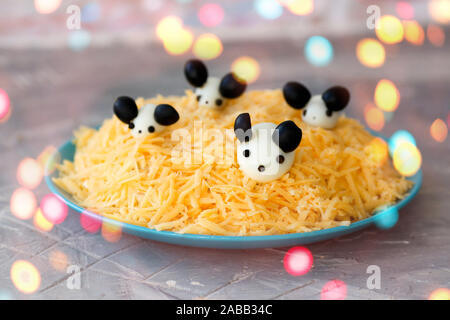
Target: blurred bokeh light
(370,53)
(25,277)
(387,96)
(29,173)
(414,32)
(211,14)
(389,29)
(111,232)
(436,35)
(46,6)
(53,208)
(407,159)
(23,203)
(439,130)
(318,51)
(334,290)
(398,138)
(207,46)
(374,117)
(440,10)
(268,9)
(298,261)
(440,294)
(41,223)
(246,68)
(4,105)
(299,7)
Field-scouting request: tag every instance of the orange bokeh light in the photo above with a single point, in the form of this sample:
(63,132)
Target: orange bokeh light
(439,130)
(440,10)
(58,260)
(377,151)
(436,35)
(374,117)
(414,32)
(387,96)
(111,232)
(370,53)
(168,26)
(25,276)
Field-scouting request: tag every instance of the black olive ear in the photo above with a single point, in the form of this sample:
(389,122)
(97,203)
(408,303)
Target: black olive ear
(231,86)
(243,127)
(287,136)
(125,109)
(296,95)
(196,72)
(336,98)
(166,115)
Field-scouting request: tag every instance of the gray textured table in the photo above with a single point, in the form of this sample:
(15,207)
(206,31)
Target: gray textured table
(53,92)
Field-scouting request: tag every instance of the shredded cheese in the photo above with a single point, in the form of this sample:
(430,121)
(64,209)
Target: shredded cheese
(190,182)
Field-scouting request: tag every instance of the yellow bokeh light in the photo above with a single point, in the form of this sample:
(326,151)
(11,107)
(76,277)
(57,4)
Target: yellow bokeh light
(377,151)
(46,6)
(25,276)
(389,29)
(246,68)
(111,232)
(370,53)
(58,260)
(299,7)
(439,130)
(407,159)
(440,10)
(440,294)
(436,35)
(374,118)
(179,42)
(207,46)
(414,32)
(41,222)
(386,95)
(168,26)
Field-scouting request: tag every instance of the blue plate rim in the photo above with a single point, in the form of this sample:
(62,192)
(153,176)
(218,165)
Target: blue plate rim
(417,178)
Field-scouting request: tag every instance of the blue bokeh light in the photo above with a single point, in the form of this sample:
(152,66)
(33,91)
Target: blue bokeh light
(79,40)
(398,137)
(268,9)
(319,51)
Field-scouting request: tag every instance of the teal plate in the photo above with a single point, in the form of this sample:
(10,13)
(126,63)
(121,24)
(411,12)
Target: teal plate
(384,219)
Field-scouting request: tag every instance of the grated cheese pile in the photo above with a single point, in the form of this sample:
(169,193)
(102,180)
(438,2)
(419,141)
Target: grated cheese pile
(338,176)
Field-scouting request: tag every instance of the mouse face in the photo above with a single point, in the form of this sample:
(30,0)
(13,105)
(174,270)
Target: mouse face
(212,92)
(320,110)
(266,151)
(149,119)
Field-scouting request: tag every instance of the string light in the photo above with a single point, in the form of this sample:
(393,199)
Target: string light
(25,277)
(439,130)
(207,46)
(318,51)
(246,68)
(211,14)
(414,32)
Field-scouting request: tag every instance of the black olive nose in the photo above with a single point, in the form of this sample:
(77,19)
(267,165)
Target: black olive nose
(261,168)
(140,131)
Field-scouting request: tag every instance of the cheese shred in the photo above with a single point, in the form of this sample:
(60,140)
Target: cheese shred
(186,179)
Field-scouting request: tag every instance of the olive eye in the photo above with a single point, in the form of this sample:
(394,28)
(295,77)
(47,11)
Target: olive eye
(246,153)
(131,125)
(151,129)
(280,159)
(199,97)
(329,112)
(247,139)
(304,112)
(219,102)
